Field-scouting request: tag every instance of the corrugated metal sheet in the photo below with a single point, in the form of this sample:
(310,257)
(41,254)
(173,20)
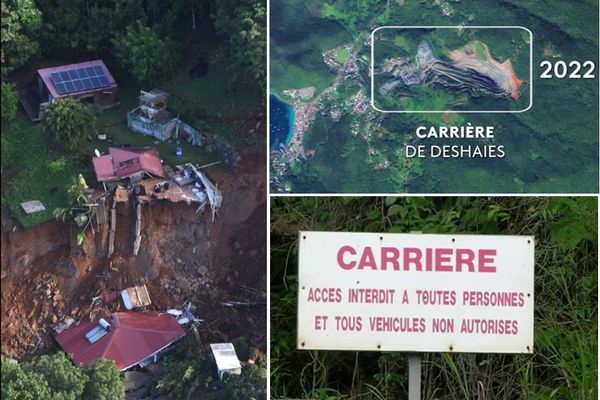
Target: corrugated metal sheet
(122,163)
(133,337)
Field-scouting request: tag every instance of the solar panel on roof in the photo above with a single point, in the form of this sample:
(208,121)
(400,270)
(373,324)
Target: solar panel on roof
(56,77)
(79,79)
(70,87)
(60,87)
(87,84)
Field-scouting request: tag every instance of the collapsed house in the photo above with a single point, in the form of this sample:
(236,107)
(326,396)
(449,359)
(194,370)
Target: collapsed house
(132,297)
(131,164)
(151,118)
(129,167)
(127,338)
(89,81)
(122,172)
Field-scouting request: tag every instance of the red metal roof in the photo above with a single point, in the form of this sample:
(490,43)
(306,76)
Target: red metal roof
(104,168)
(133,337)
(45,75)
(121,163)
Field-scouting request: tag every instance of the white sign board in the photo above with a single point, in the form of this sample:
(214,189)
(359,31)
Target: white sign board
(415,292)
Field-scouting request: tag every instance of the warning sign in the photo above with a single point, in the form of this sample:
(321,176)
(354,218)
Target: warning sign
(415,292)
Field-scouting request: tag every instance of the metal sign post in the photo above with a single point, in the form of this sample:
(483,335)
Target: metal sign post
(414,377)
(414,371)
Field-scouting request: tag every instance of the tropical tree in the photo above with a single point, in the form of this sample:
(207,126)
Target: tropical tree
(243,23)
(144,54)
(71,123)
(20,22)
(78,209)
(104,382)
(18,384)
(9,102)
(54,377)
(65,380)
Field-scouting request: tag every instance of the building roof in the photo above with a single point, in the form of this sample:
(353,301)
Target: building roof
(46,75)
(133,336)
(122,163)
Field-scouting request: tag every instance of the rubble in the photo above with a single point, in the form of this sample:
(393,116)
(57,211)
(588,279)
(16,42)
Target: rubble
(51,279)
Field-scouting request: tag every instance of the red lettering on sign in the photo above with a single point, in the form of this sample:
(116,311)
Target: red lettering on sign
(486,259)
(412,255)
(465,257)
(442,260)
(340,257)
(367,259)
(390,255)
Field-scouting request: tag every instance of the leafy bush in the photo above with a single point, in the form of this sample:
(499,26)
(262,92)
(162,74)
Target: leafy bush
(190,370)
(9,102)
(71,124)
(54,377)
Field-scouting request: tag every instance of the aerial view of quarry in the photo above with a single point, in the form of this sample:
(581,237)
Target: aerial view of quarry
(434,96)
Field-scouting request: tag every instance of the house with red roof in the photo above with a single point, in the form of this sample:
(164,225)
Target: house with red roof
(127,338)
(89,81)
(130,163)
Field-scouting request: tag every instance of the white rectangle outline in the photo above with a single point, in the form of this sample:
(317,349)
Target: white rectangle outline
(452,27)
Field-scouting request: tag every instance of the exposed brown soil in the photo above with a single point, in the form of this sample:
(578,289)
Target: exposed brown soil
(183,256)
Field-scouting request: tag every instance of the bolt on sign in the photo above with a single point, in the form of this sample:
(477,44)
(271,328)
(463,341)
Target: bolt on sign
(415,292)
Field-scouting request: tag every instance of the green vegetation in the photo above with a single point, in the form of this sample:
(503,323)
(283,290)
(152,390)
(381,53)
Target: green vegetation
(71,124)
(342,56)
(145,45)
(479,49)
(9,102)
(78,210)
(145,55)
(564,364)
(21,21)
(31,170)
(561,128)
(190,370)
(243,24)
(54,377)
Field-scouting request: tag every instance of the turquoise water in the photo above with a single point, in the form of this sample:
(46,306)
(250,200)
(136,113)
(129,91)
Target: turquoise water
(281,126)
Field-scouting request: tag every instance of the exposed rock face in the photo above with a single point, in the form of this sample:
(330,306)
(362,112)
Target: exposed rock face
(472,69)
(502,74)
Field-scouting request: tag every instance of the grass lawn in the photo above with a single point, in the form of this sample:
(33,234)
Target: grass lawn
(31,170)
(342,56)
(113,122)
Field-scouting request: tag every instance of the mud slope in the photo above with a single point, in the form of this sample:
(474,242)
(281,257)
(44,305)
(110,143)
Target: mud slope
(183,255)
